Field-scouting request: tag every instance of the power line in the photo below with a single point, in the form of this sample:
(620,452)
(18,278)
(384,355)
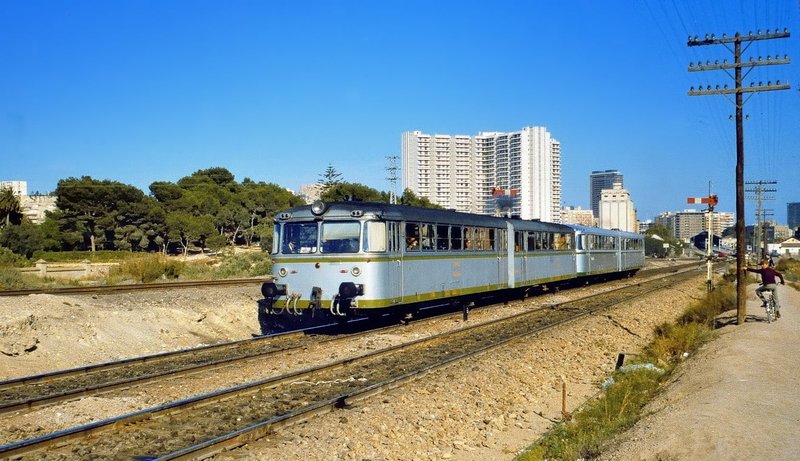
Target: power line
(738,40)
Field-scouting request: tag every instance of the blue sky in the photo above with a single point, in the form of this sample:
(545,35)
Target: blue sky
(143,91)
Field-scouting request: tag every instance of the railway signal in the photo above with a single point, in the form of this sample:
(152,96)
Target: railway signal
(711,201)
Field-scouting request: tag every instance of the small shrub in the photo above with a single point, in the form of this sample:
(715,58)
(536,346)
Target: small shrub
(244,265)
(9,258)
(152,267)
(12,279)
(722,299)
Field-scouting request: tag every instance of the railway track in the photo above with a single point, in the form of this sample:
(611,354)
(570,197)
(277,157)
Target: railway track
(45,389)
(105,289)
(209,423)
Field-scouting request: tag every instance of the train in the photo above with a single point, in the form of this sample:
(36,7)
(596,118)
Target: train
(341,260)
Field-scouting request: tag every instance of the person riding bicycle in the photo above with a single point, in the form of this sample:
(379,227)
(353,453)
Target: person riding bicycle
(768,275)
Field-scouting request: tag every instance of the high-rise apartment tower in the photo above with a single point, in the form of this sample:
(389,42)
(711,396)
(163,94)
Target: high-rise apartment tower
(470,173)
(793,215)
(598,181)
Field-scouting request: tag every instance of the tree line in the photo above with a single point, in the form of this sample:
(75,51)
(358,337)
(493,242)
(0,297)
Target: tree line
(208,209)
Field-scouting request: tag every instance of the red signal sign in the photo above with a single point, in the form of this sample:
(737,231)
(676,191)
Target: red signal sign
(711,200)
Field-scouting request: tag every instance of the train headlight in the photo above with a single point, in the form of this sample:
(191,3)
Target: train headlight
(356,271)
(282,272)
(318,207)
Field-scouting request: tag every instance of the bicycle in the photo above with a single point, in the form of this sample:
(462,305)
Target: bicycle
(772,312)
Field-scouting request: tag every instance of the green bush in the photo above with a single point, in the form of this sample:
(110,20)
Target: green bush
(722,299)
(244,265)
(9,258)
(152,267)
(79,256)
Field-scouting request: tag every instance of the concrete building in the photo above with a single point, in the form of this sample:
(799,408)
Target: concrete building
(19,188)
(617,210)
(310,192)
(517,172)
(598,181)
(576,215)
(688,223)
(793,215)
(33,207)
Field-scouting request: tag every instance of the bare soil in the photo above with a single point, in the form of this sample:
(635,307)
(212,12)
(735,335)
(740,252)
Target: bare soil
(483,410)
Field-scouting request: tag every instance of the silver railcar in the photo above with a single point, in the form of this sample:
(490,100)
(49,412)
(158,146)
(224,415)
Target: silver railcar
(357,258)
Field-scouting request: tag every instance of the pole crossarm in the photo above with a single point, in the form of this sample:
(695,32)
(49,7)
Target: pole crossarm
(739,90)
(712,40)
(726,65)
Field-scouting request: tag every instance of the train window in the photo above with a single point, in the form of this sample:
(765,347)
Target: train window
(299,238)
(456,234)
(426,236)
(412,237)
(276,238)
(340,236)
(562,242)
(493,245)
(469,238)
(519,241)
(442,238)
(375,236)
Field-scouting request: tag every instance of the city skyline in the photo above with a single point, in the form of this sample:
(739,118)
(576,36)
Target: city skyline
(149,91)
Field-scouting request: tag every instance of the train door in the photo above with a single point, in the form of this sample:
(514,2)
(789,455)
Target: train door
(500,241)
(394,284)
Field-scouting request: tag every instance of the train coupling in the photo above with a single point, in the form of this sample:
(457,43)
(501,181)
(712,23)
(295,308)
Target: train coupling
(345,299)
(271,292)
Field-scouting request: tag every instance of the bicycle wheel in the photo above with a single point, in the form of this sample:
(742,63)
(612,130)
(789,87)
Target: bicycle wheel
(770,309)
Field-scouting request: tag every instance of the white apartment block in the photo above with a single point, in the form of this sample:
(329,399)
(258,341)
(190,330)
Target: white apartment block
(617,210)
(33,207)
(19,188)
(461,172)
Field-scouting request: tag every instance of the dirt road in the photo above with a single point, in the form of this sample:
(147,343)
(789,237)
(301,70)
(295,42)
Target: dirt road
(736,400)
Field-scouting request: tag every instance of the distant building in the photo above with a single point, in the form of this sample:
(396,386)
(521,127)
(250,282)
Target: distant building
(33,207)
(576,215)
(789,247)
(793,215)
(598,181)
(688,223)
(616,209)
(19,188)
(310,192)
(517,172)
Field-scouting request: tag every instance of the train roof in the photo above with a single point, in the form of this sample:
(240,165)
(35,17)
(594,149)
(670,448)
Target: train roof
(603,231)
(344,210)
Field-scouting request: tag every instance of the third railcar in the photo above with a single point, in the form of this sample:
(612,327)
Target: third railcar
(357,258)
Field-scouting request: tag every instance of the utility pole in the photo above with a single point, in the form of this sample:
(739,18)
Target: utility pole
(739,90)
(391,171)
(759,232)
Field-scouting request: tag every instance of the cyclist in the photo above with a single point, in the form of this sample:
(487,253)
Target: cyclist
(768,275)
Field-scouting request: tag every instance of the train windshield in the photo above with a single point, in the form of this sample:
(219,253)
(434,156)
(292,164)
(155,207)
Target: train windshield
(340,236)
(299,238)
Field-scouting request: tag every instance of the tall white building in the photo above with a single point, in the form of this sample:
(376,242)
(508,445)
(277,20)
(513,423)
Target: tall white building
(616,209)
(463,172)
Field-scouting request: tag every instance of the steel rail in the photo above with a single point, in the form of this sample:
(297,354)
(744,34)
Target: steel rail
(101,289)
(205,401)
